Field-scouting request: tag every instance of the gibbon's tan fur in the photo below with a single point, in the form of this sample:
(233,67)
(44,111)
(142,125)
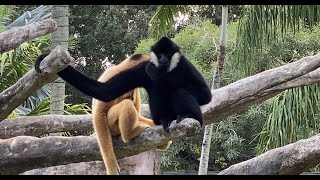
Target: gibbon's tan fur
(120,116)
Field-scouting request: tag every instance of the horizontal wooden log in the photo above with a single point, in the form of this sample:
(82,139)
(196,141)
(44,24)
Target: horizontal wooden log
(23,153)
(292,159)
(16,36)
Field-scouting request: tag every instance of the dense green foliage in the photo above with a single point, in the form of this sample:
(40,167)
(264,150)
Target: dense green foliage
(295,112)
(17,62)
(105,31)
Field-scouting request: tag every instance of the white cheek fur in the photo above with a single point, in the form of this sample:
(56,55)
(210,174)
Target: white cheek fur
(154,59)
(174,61)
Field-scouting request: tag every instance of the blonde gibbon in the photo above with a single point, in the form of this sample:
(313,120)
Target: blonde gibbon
(120,116)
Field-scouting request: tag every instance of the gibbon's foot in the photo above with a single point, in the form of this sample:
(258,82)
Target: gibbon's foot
(182,117)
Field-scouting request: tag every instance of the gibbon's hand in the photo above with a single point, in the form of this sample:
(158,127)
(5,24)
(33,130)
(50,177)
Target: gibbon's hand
(38,61)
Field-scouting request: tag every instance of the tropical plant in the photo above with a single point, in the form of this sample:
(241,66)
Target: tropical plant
(37,14)
(163,20)
(5,15)
(295,113)
(263,23)
(293,110)
(15,63)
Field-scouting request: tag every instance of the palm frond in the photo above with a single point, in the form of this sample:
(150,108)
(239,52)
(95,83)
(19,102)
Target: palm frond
(163,19)
(38,14)
(5,15)
(265,22)
(295,112)
(294,116)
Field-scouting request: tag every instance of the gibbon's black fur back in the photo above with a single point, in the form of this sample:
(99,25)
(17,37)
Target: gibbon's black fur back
(176,89)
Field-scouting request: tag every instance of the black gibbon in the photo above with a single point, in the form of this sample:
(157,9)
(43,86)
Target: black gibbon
(176,89)
(119,117)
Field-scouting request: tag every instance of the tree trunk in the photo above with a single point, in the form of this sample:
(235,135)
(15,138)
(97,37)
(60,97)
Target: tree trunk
(60,13)
(205,151)
(145,163)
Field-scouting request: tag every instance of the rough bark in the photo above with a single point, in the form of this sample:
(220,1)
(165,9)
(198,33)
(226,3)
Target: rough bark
(23,153)
(40,125)
(145,163)
(32,81)
(14,37)
(82,168)
(134,165)
(291,159)
(60,13)
(238,96)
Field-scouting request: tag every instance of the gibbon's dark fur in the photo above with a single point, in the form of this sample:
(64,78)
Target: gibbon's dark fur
(176,89)
(119,117)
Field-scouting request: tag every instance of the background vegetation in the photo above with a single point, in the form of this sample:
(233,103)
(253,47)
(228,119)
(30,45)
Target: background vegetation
(108,33)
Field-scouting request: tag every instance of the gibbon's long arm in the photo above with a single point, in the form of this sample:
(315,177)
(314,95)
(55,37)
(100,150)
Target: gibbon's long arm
(113,88)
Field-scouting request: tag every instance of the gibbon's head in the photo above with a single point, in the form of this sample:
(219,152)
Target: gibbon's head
(165,54)
(137,58)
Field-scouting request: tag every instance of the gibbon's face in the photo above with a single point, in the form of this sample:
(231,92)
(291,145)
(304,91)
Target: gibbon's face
(165,54)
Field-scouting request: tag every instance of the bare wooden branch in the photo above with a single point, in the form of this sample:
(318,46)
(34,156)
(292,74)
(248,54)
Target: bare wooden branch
(14,37)
(291,159)
(23,153)
(40,125)
(32,81)
(134,165)
(238,96)
(82,168)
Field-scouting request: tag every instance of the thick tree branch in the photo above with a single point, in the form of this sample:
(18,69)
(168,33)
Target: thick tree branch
(32,81)
(14,37)
(238,96)
(291,159)
(40,125)
(23,153)
(36,126)
(82,168)
(137,164)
